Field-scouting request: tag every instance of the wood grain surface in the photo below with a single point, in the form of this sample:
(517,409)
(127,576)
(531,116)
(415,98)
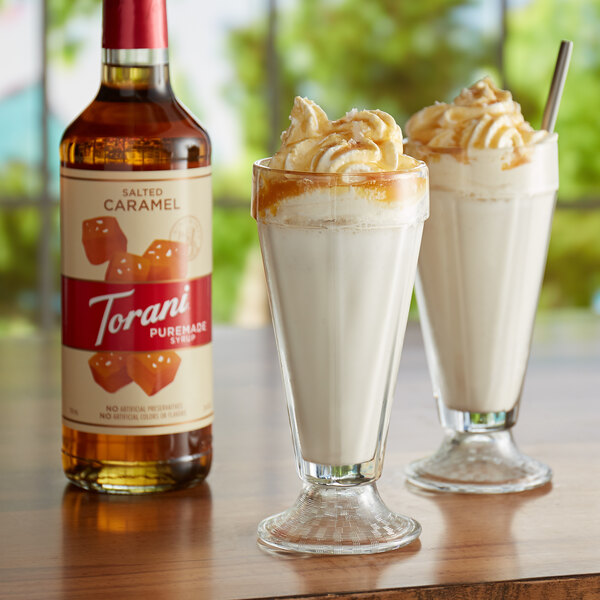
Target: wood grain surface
(60,542)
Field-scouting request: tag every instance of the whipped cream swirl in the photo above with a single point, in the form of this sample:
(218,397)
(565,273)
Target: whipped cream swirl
(482,116)
(360,142)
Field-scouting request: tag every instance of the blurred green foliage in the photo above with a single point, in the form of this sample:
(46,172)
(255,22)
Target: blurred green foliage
(535,30)
(18,180)
(573,270)
(19,231)
(234,233)
(396,56)
(61,43)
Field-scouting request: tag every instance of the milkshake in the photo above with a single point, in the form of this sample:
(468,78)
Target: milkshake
(340,212)
(493,190)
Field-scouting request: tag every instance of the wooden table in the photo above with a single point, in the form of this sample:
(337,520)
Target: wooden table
(60,542)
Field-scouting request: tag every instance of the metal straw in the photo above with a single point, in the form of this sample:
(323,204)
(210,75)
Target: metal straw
(557,85)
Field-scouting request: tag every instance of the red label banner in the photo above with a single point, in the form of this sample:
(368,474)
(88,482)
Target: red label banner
(136,316)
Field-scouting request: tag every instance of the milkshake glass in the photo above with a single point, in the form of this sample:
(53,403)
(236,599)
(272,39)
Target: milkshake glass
(340,253)
(479,277)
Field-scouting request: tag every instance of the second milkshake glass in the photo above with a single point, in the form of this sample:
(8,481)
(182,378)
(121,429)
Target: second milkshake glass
(340,254)
(480,272)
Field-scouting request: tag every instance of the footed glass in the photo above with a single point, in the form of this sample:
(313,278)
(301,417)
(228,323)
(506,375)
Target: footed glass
(340,255)
(479,277)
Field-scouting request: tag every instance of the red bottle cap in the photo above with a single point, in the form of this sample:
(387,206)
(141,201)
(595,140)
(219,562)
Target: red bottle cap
(130,24)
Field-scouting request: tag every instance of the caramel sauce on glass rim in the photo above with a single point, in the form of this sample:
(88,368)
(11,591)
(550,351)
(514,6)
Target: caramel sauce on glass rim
(272,187)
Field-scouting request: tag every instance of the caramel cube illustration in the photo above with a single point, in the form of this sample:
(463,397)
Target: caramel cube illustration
(168,260)
(101,238)
(152,371)
(127,268)
(109,370)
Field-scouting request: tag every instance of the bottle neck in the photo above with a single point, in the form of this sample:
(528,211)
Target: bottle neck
(135,47)
(136,69)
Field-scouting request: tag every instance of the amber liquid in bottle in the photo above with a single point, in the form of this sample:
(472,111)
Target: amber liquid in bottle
(135,124)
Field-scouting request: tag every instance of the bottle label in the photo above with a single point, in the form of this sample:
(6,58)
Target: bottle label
(136,301)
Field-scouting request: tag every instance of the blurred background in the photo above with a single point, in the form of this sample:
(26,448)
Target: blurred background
(237,64)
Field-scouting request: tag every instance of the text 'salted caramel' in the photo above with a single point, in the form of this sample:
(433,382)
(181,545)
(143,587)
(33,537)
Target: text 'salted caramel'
(136,242)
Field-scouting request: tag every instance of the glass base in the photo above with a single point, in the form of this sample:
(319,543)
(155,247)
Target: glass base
(338,520)
(478,463)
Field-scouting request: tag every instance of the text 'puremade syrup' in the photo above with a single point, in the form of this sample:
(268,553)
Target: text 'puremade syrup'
(136,241)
